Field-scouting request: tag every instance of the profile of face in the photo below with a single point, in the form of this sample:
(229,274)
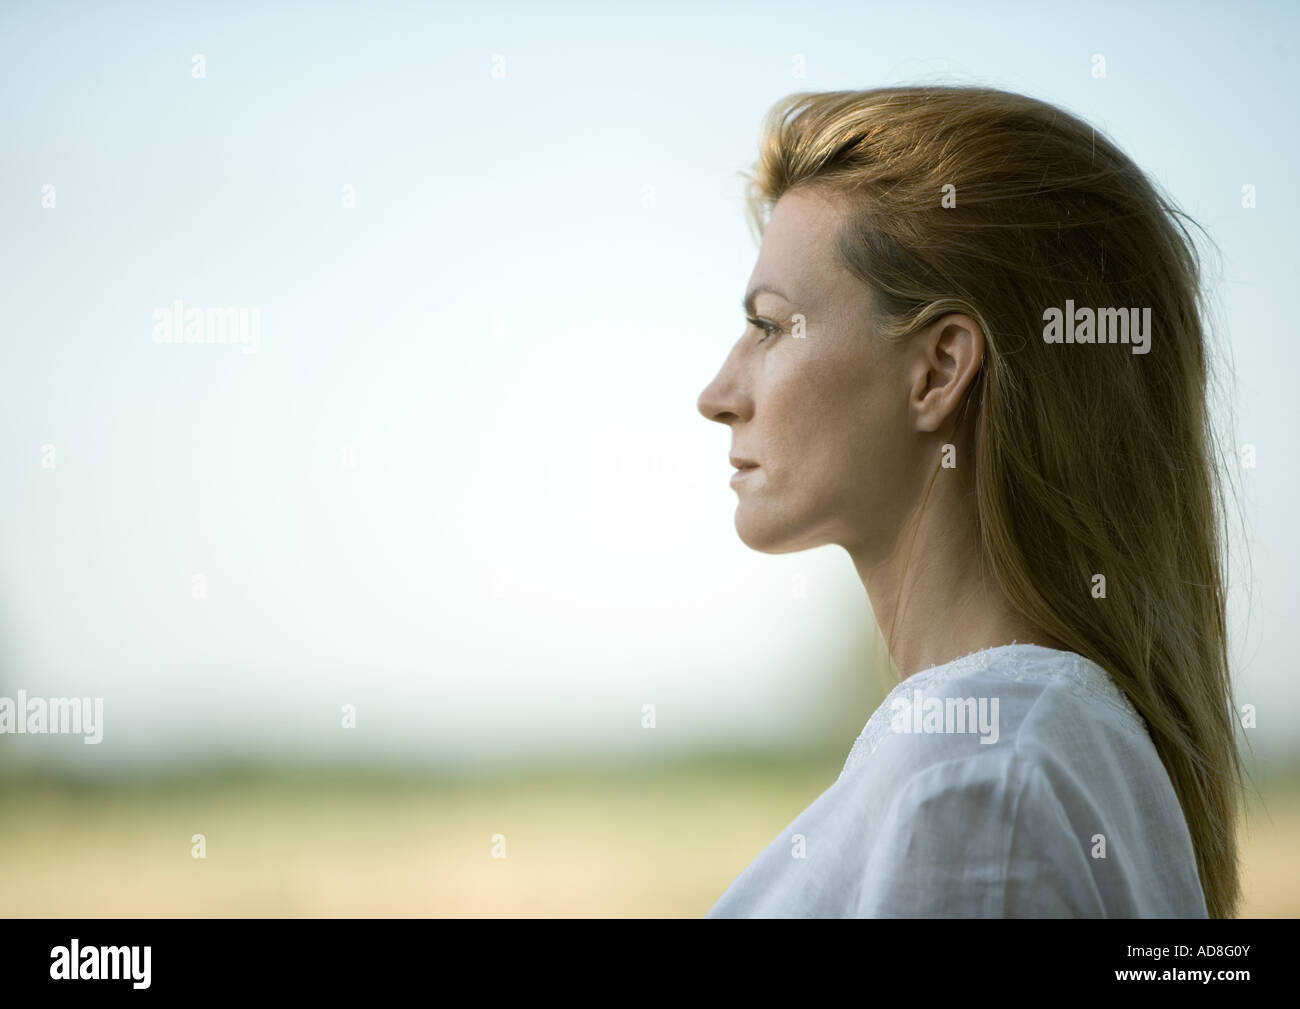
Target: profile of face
(838,423)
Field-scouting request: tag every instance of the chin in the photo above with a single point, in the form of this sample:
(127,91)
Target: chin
(767,537)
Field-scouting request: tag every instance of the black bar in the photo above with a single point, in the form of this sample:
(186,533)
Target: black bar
(368,956)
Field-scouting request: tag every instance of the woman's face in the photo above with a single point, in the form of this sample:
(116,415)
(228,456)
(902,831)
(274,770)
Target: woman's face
(820,405)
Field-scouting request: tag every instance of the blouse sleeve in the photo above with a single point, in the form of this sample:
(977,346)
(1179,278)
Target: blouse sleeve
(985,836)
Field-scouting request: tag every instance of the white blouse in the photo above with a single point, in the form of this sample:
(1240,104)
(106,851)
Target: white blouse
(1015,782)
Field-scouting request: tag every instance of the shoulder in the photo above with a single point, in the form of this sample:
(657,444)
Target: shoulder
(1038,704)
(980,836)
(1020,783)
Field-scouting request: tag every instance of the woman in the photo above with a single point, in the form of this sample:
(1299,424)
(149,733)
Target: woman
(975,360)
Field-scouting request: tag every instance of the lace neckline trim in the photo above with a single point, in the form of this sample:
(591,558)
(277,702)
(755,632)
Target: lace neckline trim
(1018,662)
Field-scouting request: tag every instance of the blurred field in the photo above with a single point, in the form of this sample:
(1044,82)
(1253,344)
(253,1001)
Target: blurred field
(652,845)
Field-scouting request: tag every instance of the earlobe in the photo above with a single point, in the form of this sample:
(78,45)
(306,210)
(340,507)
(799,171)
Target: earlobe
(927,396)
(930,415)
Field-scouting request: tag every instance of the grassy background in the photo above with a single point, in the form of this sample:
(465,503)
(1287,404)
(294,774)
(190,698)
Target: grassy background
(656,844)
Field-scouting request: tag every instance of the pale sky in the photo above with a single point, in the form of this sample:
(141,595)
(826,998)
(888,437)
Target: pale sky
(462,483)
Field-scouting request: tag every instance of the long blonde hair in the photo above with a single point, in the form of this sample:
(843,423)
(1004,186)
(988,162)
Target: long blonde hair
(1088,459)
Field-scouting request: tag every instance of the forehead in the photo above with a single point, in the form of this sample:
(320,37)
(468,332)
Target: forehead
(799,255)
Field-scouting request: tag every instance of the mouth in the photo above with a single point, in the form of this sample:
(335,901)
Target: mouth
(743,468)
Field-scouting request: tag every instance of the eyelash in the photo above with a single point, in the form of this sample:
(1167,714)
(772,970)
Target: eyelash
(769,329)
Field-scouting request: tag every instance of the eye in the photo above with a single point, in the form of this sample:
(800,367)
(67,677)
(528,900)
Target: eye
(768,328)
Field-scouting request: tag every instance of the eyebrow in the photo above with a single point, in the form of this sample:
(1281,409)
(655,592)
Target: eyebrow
(747,303)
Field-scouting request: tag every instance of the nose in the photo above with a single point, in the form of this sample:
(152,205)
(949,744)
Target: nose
(723,400)
(714,405)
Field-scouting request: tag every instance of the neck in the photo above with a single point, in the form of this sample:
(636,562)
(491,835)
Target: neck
(932,597)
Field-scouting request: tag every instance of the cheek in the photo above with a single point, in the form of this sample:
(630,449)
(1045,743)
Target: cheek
(840,435)
(795,431)
(830,412)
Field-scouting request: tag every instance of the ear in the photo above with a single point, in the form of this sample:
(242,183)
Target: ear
(948,356)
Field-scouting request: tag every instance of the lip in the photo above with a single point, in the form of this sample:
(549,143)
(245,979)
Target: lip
(744,467)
